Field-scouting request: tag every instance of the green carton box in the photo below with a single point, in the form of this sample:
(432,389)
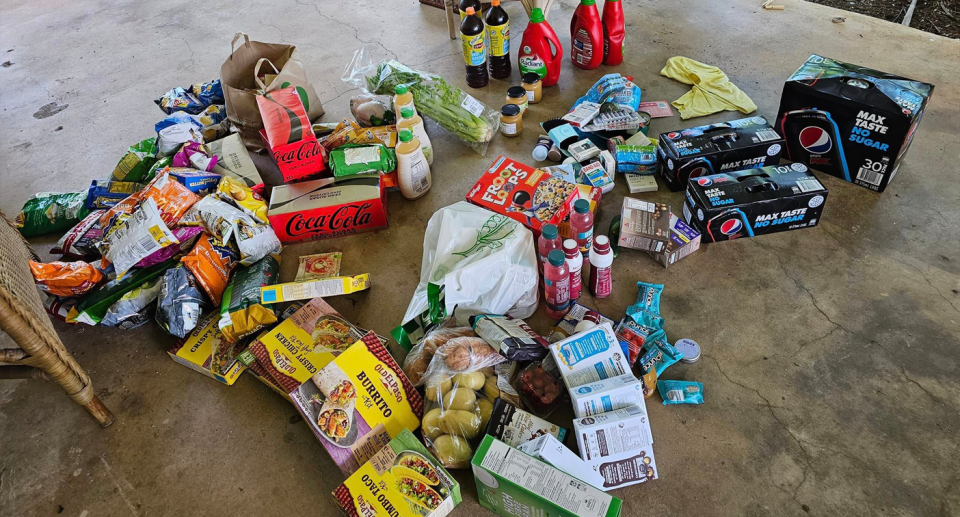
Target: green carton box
(511,484)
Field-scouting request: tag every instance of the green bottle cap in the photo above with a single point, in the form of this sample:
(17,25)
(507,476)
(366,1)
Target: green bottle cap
(536,15)
(400,89)
(549,231)
(581,206)
(588,2)
(556,258)
(405,135)
(406,112)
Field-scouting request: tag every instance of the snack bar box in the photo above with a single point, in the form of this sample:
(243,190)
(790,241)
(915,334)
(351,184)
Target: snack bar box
(592,355)
(326,208)
(511,483)
(206,351)
(401,480)
(531,196)
(618,446)
(849,121)
(684,240)
(727,146)
(754,202)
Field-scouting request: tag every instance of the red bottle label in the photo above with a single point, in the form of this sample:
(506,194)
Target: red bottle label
(582,50)
(558,294)
(576,284)
(601,282)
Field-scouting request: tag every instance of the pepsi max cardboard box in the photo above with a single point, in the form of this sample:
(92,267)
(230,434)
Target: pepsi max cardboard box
(849,121)
(747,143)
(754,202)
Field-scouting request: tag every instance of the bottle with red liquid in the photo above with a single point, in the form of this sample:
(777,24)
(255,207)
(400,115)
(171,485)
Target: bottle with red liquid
(581,224)
(613,32)
(556,285)
(549,240)
(601,268)
(571,251)
(540,49)
(586,36)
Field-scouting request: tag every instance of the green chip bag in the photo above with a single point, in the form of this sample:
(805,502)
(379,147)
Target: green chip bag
(241,313)
(136,163)
(94,306)
(47,212)
(159,165)
(373,159)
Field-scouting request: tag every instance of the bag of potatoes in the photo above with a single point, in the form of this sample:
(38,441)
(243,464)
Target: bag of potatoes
(460,386)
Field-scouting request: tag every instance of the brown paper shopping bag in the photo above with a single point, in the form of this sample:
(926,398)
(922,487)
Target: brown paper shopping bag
(240,84)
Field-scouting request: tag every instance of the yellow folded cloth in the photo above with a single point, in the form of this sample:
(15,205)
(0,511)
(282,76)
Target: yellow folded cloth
(712,91)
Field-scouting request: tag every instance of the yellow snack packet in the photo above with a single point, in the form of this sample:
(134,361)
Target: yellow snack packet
(236,192)
(322,287)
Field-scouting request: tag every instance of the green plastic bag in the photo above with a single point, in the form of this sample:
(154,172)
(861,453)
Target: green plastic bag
(93,308)
(136,163)
(372,159)
(48,212)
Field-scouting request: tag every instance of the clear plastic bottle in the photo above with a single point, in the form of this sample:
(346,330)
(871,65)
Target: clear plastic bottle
(601,268)
(571,251)
(413,171)
(581,224)
(556,285)
(410,120)
(402,99)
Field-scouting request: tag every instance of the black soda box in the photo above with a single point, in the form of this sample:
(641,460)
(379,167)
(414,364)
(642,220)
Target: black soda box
(728,146)
(754,202)
(849,121)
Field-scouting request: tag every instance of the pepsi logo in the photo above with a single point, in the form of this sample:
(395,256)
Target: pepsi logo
(731,227)
(705,181)
(672,135)
(699,171)
(815,140)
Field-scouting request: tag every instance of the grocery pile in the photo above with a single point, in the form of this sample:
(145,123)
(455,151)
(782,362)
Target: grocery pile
(185,233)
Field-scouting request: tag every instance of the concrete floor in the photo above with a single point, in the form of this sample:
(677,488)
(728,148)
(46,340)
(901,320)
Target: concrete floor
(831,354)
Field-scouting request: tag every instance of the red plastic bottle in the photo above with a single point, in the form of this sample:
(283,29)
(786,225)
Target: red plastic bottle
(549,240)
(581,224)
(540,49)
(613,32)
(556,285)
(586,36)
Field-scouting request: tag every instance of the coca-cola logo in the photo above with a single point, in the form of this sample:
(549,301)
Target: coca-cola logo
(344,218)
(302,153)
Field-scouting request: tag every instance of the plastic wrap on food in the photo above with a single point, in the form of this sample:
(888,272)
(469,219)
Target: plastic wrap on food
(211,262)
(187,235)
(179,302)
(134,308)
(135,237)
(71,243)
(47,212)
(65,278)
(137,161)
(241,313)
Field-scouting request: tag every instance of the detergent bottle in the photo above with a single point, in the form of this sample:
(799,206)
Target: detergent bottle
(586,36)
(540,49)
(613,32)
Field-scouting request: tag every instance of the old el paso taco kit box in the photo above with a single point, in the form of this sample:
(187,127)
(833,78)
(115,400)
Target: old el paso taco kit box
(354,402)
(325,208)
(520,192)
(402,479)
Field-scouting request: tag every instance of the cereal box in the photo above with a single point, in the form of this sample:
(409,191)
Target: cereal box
(401,480)
(531,196)
(590,356)
(618,445)
(511,483)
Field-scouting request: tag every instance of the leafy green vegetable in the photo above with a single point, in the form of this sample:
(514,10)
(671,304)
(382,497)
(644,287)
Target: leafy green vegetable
(436,98)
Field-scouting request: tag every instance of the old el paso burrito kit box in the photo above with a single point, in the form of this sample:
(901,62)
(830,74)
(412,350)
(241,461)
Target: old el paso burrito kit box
(326,208)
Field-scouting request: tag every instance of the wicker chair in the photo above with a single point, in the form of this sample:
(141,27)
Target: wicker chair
(22,316)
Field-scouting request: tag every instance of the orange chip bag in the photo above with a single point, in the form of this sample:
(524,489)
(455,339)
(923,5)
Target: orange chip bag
(173,199)
(125,206)
(211,262)
(65,278)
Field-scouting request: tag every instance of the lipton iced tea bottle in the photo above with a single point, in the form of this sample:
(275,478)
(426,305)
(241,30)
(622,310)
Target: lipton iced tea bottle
(474,50)
(586,36)
(498,35)
(410,120)
(413,171)
(540,49)
(613,32)
(402,99)
(464,4)
(556,285)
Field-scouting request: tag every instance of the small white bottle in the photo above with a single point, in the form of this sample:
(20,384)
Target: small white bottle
(412,167)
(410,120)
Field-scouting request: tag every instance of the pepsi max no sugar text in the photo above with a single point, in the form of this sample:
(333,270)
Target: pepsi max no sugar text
(754,202)
(848,121)
(728,146)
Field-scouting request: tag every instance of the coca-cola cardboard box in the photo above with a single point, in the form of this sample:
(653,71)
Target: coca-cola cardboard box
(325,208)
(288,136)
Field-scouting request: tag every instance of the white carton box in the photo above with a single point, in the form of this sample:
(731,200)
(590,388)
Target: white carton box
(590,356)
(617,445)
(548,449)
(618,392)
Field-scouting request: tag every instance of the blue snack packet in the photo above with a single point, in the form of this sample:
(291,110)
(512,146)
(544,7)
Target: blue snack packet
(208,93)
(648,298)
(680,392)
(658,353)
(105,194)
(644,317)
(178,99)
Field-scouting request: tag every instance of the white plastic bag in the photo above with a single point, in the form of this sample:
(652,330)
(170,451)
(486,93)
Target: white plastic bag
(475,261)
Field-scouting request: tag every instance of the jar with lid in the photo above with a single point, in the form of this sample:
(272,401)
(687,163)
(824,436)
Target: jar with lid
(532,84)
(517,95)
(511,123)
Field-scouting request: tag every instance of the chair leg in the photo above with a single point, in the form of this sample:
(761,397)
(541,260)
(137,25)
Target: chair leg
(99,411)
(451,26)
